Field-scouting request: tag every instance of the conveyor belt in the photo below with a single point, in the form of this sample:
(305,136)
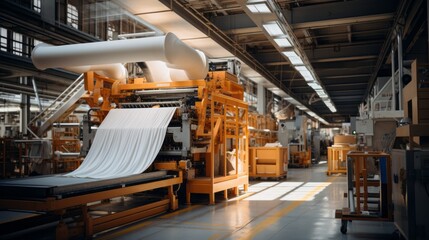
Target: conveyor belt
(59,186)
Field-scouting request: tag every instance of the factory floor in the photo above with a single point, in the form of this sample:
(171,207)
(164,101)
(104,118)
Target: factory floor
(299,207)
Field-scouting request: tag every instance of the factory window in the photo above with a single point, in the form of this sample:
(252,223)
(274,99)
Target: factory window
(37,5)
(17,44)
(110,32)
(72,16)
(250,92)
(35,43)
(3,39)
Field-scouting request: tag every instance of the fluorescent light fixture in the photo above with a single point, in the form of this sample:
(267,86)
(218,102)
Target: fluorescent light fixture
(311,113)
(302,68)
(283,42)
(296,61)
(306,75)
(293,57)
(314,85)
(273,29)
(330,105)
(259,7)
(290,54)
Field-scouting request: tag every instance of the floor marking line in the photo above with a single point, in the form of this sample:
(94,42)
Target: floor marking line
(272,219)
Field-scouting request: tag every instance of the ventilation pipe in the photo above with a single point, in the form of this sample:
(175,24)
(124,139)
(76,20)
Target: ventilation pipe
(96,55)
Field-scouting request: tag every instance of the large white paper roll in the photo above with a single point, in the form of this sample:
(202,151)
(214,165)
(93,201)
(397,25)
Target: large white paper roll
(169,49)
(126,143)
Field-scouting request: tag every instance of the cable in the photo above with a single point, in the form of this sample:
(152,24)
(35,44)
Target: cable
(178,188)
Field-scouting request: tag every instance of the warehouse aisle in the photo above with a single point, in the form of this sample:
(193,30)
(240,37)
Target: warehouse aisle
(301,207)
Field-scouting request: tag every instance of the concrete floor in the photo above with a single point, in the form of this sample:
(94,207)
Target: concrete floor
(301,207)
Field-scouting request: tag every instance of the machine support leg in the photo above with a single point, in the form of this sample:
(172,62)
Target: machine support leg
(235,189)
(343,226)
(62,231)
(188,197)
(89,230)
(173,199)
(212,198)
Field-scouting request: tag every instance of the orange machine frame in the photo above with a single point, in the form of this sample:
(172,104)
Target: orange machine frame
(221,127)
(88,225)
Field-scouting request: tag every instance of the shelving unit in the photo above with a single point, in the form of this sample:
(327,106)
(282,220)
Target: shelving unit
(369,189)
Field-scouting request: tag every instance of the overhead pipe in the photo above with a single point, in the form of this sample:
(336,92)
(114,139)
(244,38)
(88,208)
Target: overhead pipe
(392,60)
(28,90)
(400,66)
(168,48)
(36,93)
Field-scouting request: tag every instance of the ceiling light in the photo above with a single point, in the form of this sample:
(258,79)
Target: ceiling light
(293,57)
(302,68)
(314,85)
(296,60)
(283,42)
(290,54)
(273,29)
(259,7)
(311,113)
(307,75)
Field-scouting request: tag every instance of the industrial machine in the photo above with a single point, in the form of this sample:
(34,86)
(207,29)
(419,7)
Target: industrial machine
(410,161)
(206,141)
(209,128)
(410,173)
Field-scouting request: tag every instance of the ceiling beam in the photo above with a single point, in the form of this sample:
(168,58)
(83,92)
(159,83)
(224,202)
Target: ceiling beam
(319,15)
(340,53)
(18,66)
(319,55)
(363,75)
(341,13)
(385,49)
(195,18)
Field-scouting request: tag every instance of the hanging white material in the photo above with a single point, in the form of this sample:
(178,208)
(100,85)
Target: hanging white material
(169,49)
(126,143)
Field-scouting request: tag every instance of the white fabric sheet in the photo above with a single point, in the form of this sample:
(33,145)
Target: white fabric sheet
(126,143)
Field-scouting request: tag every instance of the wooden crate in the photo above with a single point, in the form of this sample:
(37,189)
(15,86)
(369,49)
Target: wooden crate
(268,161)
(337,157)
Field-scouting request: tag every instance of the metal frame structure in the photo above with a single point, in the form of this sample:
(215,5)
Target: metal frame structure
(213,131)
(84,198)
